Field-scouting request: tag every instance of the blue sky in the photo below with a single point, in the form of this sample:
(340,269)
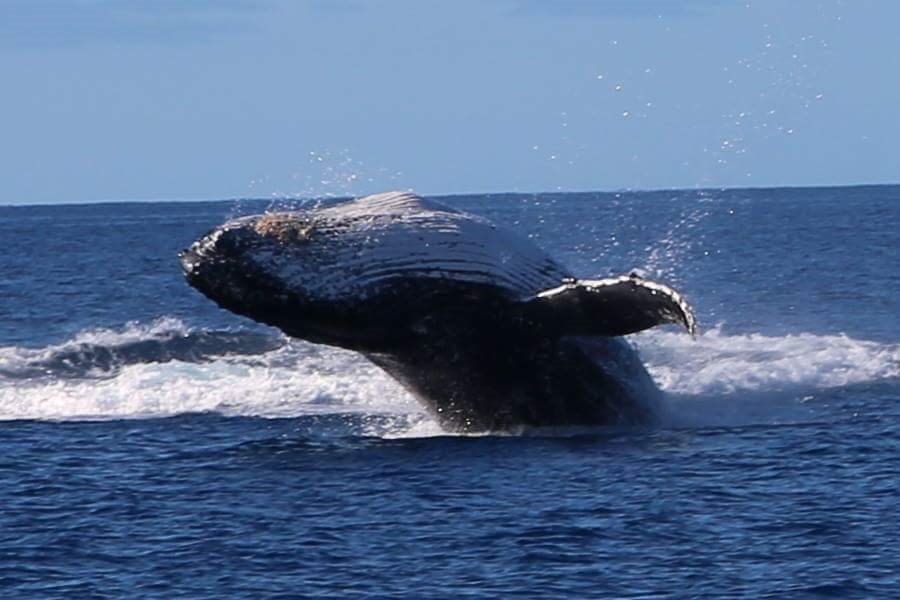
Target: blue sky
(122,99)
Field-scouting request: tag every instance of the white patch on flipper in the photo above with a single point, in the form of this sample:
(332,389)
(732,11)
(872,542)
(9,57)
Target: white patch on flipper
(655,288)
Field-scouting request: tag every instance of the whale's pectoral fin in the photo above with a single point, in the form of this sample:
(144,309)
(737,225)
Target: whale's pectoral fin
(609,307)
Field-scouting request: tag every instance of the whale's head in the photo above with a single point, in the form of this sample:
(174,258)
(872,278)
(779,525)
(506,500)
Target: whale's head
(373,271)
(280,269)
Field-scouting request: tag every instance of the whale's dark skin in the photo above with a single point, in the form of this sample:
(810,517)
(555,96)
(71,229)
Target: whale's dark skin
(480,325)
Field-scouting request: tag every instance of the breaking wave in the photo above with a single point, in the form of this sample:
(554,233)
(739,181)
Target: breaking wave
(103,353)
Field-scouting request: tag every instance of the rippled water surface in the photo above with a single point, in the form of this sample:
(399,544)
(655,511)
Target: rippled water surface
(152,445)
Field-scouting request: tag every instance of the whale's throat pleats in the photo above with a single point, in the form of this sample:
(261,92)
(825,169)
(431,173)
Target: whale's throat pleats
(380,241)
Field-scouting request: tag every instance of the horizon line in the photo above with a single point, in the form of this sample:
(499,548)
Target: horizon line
(449,195)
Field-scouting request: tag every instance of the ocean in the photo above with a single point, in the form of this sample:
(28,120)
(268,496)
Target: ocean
(155,446)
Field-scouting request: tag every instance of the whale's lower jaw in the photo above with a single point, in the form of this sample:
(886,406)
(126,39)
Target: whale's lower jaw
(510,386)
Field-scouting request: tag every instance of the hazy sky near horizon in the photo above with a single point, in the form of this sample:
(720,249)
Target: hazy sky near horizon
(120,99)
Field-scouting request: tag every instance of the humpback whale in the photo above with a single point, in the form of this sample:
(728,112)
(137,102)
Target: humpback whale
(482,326)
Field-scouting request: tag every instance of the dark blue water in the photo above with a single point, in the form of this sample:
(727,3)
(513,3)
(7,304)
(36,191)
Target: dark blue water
(152,445)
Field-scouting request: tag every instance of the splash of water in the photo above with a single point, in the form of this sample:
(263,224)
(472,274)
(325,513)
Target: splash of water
(672,249)
(718,372)
(722,364)
(324,175)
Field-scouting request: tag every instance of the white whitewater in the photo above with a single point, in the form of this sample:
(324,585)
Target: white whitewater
(707,380)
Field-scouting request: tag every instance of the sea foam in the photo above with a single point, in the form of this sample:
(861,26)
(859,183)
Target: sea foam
(284,378)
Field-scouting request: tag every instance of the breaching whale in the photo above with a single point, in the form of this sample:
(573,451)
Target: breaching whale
(478,323)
